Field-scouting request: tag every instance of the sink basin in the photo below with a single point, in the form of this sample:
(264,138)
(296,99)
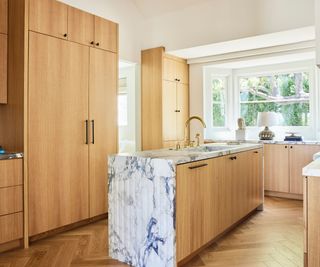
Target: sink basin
(209,148)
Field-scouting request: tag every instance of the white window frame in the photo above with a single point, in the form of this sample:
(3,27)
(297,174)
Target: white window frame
(305,66)
(210,73)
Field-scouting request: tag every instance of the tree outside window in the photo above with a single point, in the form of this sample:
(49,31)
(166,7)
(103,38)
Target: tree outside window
(218,102)
(286,94)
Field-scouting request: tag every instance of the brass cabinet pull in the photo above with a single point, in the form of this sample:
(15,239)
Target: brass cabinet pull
(256,152)
(92,129)
(87,132)
(233,158)
(198,166)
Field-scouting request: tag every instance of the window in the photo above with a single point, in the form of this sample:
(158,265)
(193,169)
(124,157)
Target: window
(284,93)
(123,110)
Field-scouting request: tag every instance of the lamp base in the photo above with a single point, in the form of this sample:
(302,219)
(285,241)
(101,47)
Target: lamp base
(266,134)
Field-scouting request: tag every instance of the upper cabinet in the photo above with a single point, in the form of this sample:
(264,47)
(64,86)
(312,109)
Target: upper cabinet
(4,16)
(106,34)
(59,20)
(49,17)
(175,70)
(80,26)
(317,17)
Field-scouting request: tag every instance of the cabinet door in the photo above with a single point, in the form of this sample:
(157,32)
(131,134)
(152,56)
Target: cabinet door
(182,72)
(182,108)
(3,69)
(3,16)
(300,156)
(169,108)
(256,181)
(104,129)
(106,34)
(48,17)
(80,26)
(197,206)
(58,153)
(276,168)
(169,69)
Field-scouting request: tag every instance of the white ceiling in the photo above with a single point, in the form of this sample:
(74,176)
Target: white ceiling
(152,8)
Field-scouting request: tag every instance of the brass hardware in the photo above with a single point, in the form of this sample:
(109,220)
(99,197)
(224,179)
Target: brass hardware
(178,147)
(198,166)
(198,139)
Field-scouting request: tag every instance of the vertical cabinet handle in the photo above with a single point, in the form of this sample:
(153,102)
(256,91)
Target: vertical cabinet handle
(87,132)
(92,129)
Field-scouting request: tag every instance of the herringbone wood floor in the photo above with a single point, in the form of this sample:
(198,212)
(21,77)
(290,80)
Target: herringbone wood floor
(270,238)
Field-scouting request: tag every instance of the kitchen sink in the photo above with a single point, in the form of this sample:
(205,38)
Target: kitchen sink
(209,148)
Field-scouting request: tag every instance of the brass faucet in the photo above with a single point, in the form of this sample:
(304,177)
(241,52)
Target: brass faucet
(186,140)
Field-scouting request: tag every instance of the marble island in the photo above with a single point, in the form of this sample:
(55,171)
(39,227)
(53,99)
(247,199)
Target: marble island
(143,200)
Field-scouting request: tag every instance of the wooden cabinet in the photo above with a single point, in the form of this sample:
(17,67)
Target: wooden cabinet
(58,154)
(4,16)
(214,194)
(283,166)
(59,20)
(103,119)
(276,168)
(312,218)
(106,34)
(175,70)
(299,157)
(3,69)
(49,17)
(80,26)
(11,201)
(165,99)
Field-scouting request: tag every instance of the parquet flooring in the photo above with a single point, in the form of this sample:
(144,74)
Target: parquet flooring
(268,239)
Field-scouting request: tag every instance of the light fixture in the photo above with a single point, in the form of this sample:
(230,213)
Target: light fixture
(267,119)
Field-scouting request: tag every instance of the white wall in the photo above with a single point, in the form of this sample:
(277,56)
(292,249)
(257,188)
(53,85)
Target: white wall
(123,12)
(217,21)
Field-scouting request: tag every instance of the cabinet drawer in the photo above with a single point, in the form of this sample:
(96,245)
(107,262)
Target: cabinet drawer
(11,200)
(10,172)
(11,227)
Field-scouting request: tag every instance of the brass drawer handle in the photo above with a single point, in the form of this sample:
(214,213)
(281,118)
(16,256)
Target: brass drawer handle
(198,166)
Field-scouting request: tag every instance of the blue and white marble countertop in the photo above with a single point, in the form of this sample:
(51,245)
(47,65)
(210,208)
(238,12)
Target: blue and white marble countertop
(194,153)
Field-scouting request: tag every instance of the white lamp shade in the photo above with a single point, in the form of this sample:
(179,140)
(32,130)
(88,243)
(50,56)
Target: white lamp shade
(267,119)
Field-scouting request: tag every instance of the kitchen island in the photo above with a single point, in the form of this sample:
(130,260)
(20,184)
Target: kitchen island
(165,205)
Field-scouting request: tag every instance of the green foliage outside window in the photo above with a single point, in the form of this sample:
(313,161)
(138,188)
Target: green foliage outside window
(218,102)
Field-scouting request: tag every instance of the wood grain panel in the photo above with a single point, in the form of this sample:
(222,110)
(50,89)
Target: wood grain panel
(183,107)
(49,17)
(80,26)
(3,69)
(11,200)
(313,217)
(169,114)
(151,98)
(182,71)
(106,34)
(58,155)
(4,16)
(11,172)
(103,110)
(299,157)
(169,69)
(276,168)
(11,227)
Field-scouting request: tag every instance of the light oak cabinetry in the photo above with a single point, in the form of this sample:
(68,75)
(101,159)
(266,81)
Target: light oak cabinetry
(312,218)
(62,112)
(11,203)
(213,195)
(3,51)
(165,99)
(283,167)
(59,20)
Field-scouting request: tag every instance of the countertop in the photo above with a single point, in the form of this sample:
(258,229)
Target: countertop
(7,156)
(195,153)
(275,142)
(313,169)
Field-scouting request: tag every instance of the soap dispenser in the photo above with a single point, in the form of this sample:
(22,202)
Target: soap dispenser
(2,151)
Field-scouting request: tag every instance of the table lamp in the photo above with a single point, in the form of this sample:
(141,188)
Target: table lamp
(267,119)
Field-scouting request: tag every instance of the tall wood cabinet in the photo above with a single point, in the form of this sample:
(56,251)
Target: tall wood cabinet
(3,50)
(63,68)
(283,166)
(165,99)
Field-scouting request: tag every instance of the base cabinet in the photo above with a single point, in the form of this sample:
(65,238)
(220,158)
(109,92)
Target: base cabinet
(283,166)
(214,194)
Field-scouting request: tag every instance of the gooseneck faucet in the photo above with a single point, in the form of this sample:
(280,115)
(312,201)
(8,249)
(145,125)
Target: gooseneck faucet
(186,140)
